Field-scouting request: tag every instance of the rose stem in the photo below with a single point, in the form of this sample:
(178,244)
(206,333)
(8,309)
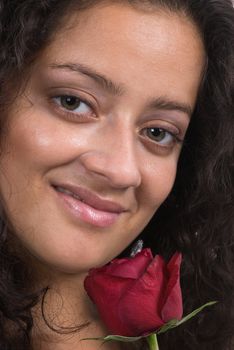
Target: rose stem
(153,342)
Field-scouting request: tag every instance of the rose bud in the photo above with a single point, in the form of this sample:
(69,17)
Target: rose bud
(136,296)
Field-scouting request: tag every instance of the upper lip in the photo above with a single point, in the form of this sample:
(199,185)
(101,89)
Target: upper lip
(92,199)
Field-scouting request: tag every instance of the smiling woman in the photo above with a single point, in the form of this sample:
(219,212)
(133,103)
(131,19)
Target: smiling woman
(111,128)
(117,132)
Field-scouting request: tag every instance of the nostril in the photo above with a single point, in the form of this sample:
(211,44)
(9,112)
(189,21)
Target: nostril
(120,169)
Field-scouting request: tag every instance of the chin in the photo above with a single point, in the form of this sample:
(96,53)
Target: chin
(70,263)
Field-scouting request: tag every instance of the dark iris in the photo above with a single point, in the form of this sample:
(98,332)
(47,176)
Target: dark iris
(70,102)
(156,134)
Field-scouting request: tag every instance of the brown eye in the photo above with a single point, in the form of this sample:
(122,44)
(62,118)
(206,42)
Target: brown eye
(160,136)
(70,102)
(73,104)
(156,134)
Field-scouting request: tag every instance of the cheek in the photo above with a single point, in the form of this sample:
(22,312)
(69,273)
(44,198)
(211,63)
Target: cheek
(30,149)
(159,179)
(36,145)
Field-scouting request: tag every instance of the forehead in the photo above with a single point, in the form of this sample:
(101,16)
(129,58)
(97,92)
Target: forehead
(122,41)
(124,23)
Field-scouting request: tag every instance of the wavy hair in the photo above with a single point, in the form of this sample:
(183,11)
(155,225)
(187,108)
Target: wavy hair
(198,216)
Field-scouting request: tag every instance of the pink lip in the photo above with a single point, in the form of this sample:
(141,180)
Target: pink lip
(90,207)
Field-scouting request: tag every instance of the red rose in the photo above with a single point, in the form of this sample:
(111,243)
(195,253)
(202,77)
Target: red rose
(136,296)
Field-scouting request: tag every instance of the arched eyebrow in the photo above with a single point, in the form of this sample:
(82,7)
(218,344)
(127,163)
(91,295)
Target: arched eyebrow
(162,103)
(107,84)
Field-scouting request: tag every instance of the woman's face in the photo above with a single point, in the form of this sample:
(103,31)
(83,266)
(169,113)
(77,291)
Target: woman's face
(92,144)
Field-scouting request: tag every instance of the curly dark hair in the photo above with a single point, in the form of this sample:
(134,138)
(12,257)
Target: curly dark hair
(198,216)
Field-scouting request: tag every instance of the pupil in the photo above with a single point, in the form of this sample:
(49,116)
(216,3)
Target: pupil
(157,133)
(70,102)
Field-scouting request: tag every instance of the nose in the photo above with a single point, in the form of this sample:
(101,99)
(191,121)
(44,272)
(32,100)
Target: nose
(115,160)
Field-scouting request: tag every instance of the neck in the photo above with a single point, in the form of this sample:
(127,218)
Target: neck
(66,316)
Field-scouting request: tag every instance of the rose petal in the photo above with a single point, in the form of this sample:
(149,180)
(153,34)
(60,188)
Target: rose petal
(173,306)
(139,308)
(105,291)
(136,296)
(131,267)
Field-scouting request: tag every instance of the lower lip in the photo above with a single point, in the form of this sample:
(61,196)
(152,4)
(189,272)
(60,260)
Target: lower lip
(86,213)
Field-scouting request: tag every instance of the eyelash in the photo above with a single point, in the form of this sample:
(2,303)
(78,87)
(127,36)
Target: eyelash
(174,137)
(73,116)
(70,114)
